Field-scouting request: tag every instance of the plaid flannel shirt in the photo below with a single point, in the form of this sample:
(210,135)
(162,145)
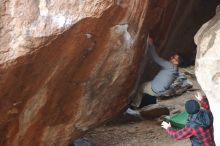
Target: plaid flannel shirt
(204,135)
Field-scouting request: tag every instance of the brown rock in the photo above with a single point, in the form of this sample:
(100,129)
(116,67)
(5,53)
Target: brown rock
(154,111)
(66,66)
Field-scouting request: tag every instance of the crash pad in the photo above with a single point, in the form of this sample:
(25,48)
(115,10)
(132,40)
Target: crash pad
(178,120)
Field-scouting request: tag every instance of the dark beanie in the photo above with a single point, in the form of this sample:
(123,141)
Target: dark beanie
(192,107)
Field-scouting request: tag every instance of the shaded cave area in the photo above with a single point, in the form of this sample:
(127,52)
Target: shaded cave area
(174,32)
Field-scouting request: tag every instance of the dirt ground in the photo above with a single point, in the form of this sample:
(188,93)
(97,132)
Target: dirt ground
(132,131)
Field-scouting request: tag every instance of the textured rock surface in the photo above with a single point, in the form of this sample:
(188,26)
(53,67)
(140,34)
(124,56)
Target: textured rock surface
(65,66)
(208,66)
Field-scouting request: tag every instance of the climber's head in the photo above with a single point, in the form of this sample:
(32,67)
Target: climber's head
(176,59)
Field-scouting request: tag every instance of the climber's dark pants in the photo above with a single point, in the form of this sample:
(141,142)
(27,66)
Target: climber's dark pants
(147,100)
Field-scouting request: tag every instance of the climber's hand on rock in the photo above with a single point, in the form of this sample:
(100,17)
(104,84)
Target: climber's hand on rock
(150,41)
(165,125)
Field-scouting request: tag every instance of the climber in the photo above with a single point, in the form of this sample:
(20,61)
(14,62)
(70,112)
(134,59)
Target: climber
(161,83)
(199,127)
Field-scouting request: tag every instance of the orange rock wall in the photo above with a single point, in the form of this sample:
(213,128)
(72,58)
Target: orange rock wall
(66,66)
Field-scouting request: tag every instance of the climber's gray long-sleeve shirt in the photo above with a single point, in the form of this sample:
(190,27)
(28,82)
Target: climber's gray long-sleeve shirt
(165,76)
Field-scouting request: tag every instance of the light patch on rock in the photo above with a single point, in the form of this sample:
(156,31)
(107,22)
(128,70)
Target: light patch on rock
(12,8)
(82,124)
(88,35)
(59,20)
(52,23)
(43,8)
(16,49)
(91,37)
(32,108)
(125,43)
(123,31)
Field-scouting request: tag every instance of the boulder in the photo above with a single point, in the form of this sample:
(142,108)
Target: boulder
(66,66)
(154,111)
(208,66)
